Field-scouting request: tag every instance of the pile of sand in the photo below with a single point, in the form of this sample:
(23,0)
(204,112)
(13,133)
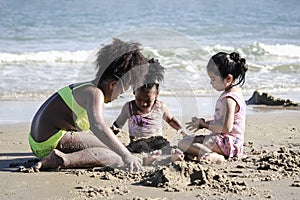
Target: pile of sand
(175,177)
(284,161)
(233,176)
(182,176)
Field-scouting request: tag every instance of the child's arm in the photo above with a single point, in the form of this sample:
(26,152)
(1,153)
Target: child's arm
(224,126)
(172,121)
(229,108)
(121,119)
(95,110)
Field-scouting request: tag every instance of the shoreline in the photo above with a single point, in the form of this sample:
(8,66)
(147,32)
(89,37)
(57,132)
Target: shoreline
(266,132)
(19,111)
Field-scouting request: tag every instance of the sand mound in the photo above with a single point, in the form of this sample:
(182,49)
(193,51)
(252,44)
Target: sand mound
(233,176)
(283,160)
(178,176)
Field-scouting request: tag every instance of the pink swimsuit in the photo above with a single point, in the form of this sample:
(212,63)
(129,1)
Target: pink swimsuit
(145,126)
(231,144)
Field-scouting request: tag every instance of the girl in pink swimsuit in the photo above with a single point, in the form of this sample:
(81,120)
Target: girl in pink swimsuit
(226,72)
(146,116)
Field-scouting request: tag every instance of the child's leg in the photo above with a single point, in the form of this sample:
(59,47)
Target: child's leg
(195,147)
(80,149)
(76,141)
(90,157)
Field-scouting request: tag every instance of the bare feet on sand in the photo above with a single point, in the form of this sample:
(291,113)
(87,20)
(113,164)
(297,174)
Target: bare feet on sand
(176,155)
(53,161)
(152,157)
(213,157)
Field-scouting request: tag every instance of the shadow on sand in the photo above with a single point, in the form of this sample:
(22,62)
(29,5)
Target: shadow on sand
(12,161)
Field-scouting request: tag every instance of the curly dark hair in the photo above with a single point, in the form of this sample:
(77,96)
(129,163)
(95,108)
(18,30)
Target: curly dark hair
(119,58)
(229,64)
(154,76)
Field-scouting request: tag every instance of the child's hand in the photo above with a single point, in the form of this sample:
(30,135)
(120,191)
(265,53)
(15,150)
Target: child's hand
(183,132)
(133,163)
(115,129)
(195,124)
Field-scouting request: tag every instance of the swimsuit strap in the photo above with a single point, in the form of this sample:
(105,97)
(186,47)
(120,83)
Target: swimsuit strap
(130,108)
(81,85)
(236,97)
(66,94)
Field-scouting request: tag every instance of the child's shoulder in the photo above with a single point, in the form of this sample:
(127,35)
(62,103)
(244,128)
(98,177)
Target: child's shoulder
(235,91)
(235,94)
(129,103)
(160,104)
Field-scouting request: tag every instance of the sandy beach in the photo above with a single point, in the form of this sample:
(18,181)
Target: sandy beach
(271,170)
(46,45)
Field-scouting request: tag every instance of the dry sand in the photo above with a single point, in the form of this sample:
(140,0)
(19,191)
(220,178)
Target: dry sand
(271,170)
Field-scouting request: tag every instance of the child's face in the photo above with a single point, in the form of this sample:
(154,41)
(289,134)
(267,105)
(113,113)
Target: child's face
(145,99)
(116,90)
(216,81)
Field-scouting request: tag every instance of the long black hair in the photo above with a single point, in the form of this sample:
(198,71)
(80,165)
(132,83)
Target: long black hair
(229,64)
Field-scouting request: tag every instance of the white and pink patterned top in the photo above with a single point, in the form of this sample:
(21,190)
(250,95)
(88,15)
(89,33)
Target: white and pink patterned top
(142,126)
(147,125)
(231,143)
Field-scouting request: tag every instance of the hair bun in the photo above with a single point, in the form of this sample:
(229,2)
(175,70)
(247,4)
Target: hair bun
(235,56)
(243,60)
(152,60)
(155,73)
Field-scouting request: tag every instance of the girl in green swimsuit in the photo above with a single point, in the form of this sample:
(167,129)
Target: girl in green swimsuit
(58,132)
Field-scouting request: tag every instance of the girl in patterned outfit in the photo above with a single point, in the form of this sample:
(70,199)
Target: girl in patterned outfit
(226,72)
(146,116)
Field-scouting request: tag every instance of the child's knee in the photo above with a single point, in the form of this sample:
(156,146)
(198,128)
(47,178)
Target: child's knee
(115,161)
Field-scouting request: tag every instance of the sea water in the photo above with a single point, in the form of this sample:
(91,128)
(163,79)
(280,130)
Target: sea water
(45,45)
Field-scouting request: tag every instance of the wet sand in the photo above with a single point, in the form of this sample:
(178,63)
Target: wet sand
(271,170)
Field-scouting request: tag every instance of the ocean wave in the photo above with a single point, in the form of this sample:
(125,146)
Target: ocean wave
(285,50)
(54,56)
(260,52)
(257,49)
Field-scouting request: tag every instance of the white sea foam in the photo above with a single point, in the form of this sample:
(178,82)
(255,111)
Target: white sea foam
(255,50)
(46,57)
(287,50)
(34,75)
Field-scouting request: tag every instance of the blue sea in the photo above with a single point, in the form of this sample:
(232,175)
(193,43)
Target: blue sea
(45,45)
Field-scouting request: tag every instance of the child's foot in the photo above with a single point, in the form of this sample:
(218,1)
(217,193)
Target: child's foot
(213,157)
(191,157)
(152,157)
(53,161)
(176,155)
